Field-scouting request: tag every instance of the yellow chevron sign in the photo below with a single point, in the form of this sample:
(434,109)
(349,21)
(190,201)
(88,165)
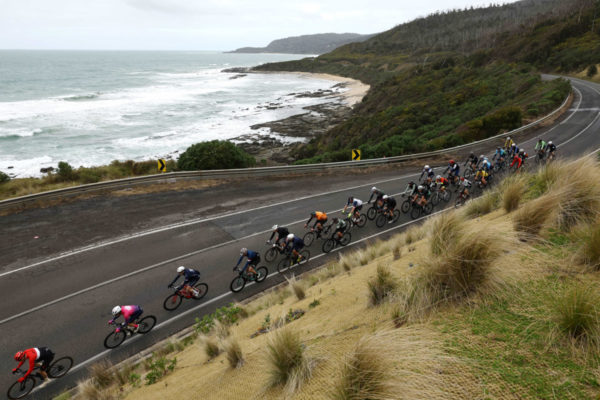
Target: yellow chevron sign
(162,165)
(355,155)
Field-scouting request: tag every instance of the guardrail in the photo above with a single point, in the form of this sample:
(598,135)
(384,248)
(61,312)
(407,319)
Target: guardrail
(245,172)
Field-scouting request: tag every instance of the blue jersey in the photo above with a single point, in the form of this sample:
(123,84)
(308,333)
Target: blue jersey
(250,254)
(189,275)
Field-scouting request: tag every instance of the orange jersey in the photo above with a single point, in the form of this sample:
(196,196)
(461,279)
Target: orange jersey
(321,216)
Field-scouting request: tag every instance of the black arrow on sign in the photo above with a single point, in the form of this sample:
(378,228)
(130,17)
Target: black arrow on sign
(162,166)
(355,155)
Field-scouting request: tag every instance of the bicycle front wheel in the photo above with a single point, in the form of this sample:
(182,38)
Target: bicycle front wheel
(405,207)
(172,302)
(415,212)
(202,289)
(345,239)
(284,264)
(60,367)
(309,238)
(146,324)
(237,284)
(261,274)
(396,216)
(114,339)
(371,213)
(435,198)
(380,221)
(362,220)
(18,390)
(305,256)
(271,254)
(328,245)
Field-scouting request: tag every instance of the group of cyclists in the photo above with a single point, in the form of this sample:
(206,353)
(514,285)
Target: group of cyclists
(480,168)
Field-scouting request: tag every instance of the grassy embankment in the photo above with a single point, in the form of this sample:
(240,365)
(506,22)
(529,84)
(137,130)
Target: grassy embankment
(498,300)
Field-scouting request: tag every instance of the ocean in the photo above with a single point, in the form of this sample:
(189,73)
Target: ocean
(91,107)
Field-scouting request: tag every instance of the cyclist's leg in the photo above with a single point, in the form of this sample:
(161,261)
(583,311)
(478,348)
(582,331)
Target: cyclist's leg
(46,357)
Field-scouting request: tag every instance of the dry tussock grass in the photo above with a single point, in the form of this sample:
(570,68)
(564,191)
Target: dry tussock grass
(233,350)
(512,191)
(297,287)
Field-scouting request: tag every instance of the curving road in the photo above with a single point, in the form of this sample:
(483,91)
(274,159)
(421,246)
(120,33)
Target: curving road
(64,268)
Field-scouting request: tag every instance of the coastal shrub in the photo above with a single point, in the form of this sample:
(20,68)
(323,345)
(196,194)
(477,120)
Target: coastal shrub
(287,362)
(297,287)
(216,154)
(103,374)
(211,347)
(588,238)
(381,286)
(592,71)
(4,177)
(65,171)
(575,314)
(234,353)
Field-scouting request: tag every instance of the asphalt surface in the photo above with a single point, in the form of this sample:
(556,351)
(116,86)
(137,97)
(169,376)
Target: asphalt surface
(58,289)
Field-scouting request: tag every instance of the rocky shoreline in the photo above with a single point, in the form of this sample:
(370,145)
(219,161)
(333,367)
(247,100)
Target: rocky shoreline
(274,140)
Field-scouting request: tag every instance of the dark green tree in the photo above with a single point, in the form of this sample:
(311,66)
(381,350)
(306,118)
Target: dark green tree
(216,154)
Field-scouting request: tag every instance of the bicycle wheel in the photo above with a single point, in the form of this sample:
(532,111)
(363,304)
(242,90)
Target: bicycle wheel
(284,264)
(60,367)
(396,216)
(381,220)
(328,245)
(459,202)
(468,173)
(261,274)
(428,209)
(114,339)
(202,290)
(146,324)
(18,390)
(271,254)
(309,238)
(362,220)
(405,207)
(346,239)
(415,212)
(305,256)
(435,198)
(446,195)
(237,284)
(172,302)
(371,213)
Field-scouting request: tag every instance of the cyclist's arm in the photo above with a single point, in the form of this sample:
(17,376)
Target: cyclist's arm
(239,261)
(31,366)
(272,235)
(174,280)
(310,219)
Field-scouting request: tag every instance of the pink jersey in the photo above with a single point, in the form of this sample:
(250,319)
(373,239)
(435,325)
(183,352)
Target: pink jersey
(127,311)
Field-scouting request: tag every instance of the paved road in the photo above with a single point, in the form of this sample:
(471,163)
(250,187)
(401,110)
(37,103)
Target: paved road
(63,300)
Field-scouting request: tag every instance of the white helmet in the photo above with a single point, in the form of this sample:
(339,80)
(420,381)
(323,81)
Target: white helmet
(421,187)
(385,197)
(373,189)
(290,237)
(426,167)
(180,269)
(116,310)
(243,251)
(438,177)
(482,156)
(508,138)
(274,227)
(550,142)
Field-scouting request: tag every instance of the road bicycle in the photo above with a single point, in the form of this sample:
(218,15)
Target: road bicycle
(315,233)
(335,241)
(461,200)
(383,218)
(540,157)
(276,249)
(353,220)
(57,369)
(118,336)
(238,283)
(291,261)
(418,210)
(373,211)
(174,300)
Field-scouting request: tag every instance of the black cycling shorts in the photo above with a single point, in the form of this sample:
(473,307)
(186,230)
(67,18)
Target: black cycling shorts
(46,357)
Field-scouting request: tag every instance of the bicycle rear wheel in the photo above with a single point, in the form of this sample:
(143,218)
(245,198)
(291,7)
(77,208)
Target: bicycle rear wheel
(308,238)
(271,254)
(346,239)
(396,216)
(371,213)
(380,221)
(305,256)
(237,284)
(261,274)
(284,264)
(362,220)
(415,212)
(435,198)
(18,390)
(328,245)
(114,339)
(468,173)
(146,324)
(60,367)
(428,208)
(172,302)
(405,207)
(202,290)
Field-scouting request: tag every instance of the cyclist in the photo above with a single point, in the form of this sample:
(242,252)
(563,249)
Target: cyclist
(541,145)
(472,161)
(486,164)
(378,194)
(190,277)
(355,206)
(252,260)
(442,182)
(453,170)
(340,228)
(389,207)
(516,160)
(320,220)
(501,154)
(508,143)
(422,195)
(427,171)
(35,355)
(281,233)
(482,175)
(410,190)
(465,184)
(130,313)
(523,154)
(514,149)
(294,244)
(551,149)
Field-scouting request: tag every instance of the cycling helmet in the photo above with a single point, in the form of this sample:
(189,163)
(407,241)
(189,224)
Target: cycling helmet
(451,162)
(350,199)
(274,227)
(426,167)
(411,183)
(373,189)
(514,145)
(462,178)
(481,156)
(290,237)
(421,187)
(521,151)
(180,269)
(116,310)
(508,138)
(550,142)
(438,177)
(313,214)
(385,197)
(472,154)
(243,251)
(19,355)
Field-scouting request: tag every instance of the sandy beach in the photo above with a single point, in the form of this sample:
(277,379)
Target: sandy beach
(356,89)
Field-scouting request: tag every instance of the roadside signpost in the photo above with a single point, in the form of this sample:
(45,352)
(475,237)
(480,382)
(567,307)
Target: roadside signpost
(355,155)
(162,165)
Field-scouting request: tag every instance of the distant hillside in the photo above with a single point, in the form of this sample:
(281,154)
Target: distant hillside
(435,80)
(307,44)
